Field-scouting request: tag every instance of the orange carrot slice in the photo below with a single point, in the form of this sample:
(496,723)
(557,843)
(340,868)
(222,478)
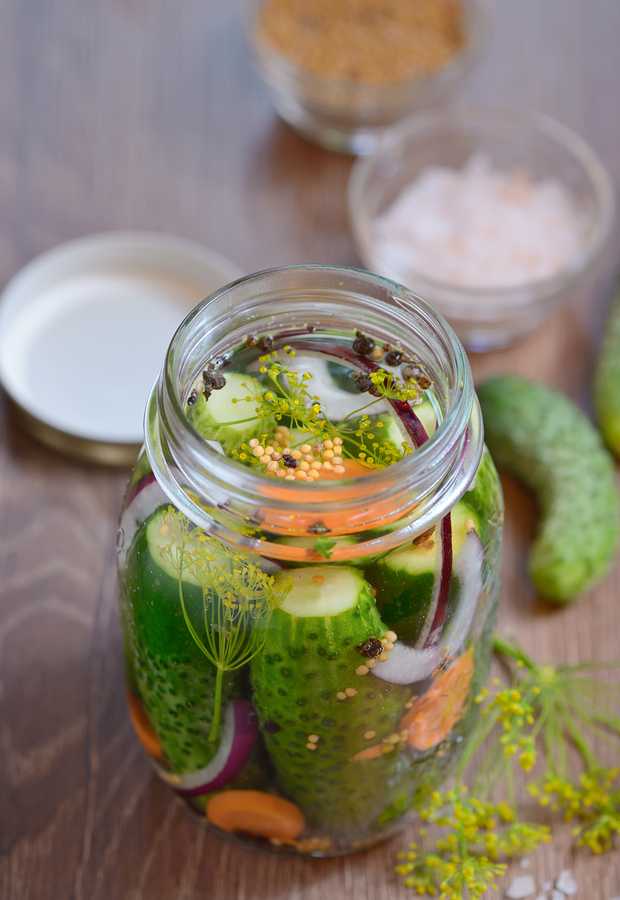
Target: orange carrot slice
(257,813)
(431,718)
(339,522)
(143,728)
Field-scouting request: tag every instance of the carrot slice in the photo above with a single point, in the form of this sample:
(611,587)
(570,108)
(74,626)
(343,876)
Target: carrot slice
(143,728)
(339,522)
(257,813)
(431,718)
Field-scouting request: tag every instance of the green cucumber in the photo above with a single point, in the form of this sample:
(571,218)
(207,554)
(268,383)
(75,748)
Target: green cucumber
(310,659)
(176,682)
(230,415)
(607,381)
(538,435)
(405,578)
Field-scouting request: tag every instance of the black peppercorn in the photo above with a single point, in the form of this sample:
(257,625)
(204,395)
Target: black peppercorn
(363,345)
(371,648)
(265,344)
(318,528)
(289,461)
(362,381)
(192,398)
(393,358)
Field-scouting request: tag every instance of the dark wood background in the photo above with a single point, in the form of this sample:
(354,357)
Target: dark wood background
(127,113)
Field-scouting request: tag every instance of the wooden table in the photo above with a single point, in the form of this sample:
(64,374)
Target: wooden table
(147,114)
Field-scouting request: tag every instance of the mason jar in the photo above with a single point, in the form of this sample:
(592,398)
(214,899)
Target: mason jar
(309,559)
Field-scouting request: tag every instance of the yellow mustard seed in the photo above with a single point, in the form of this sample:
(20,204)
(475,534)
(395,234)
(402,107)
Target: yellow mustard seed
(328,444)
(306,448)
(296,454)
(362,670)
(391,636)
(340,470)
(369,735)
(258,451)
(313,738)
(310,746)
(328,454)
(350,692)
(304,466)
(341,695)
(316,464)
(254,443)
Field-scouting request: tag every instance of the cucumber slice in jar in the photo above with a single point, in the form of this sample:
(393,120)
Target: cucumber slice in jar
(405,579)
(184,693)
(230,415)
(317,710)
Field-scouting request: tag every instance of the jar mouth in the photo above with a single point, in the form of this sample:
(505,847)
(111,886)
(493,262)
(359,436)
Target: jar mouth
(289,299)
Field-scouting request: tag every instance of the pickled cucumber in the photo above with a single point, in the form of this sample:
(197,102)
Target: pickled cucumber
(175,681)
(607,381)
(306,687)
(230,414)
(543,439)
(405,579)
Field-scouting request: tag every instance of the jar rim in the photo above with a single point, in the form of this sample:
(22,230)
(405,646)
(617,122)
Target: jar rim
(184,462)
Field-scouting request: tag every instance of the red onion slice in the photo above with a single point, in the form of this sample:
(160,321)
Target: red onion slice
(238,736)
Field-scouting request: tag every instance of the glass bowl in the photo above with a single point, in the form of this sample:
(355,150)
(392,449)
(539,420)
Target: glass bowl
(350,116)
(487,317)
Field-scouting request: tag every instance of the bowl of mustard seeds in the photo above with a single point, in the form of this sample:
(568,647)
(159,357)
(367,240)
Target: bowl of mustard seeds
(343,72)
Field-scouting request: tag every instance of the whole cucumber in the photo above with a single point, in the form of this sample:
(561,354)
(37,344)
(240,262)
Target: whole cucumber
(538,435)
(607,381)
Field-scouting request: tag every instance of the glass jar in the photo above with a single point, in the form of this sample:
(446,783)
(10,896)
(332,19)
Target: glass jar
(302,657)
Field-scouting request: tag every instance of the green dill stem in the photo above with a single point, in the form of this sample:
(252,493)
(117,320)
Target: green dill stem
(242,421)
(589,759)
(217,706)
(503,648)
(360,409)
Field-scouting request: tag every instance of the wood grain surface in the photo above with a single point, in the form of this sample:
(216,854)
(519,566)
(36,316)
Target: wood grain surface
(127,113)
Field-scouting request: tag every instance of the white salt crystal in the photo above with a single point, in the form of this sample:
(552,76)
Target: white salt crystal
(566,883)
(520,887)
(480,227)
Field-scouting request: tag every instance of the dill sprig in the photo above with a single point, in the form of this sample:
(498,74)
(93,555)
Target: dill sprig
(288,397)
(237,600)
(543,715)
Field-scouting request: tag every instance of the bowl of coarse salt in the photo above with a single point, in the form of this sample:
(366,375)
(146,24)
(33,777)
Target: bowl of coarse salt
(495,217)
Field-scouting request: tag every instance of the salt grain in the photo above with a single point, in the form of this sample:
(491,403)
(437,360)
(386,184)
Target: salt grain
(566,883)
(521,887)
(480,227)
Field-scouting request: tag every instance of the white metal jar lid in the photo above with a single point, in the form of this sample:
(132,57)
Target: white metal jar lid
(84,329)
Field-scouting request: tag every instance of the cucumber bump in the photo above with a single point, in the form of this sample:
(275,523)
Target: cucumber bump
(607,381)
(540,437)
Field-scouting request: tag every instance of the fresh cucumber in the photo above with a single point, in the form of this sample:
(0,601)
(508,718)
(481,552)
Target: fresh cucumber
(309,663)
(230,415)
(538,435)
(607,381)
(175,680)
(405,578)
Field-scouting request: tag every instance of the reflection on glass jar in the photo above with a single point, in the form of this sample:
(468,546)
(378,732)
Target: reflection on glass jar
(309,554)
